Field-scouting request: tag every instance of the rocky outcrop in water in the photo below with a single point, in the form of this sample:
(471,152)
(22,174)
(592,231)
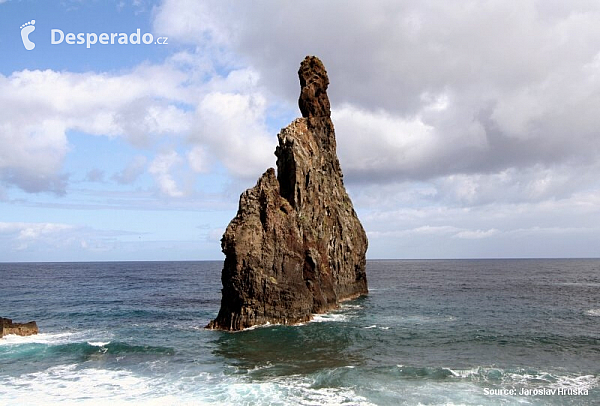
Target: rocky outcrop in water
(21,329)
(296,246)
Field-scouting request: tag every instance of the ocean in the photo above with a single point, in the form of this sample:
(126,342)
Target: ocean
(430,332)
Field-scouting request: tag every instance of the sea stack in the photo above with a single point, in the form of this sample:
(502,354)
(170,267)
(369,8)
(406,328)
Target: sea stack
(295,246)
(21,329)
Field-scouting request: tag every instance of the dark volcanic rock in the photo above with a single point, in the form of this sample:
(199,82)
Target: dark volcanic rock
(22,329)
(296,246)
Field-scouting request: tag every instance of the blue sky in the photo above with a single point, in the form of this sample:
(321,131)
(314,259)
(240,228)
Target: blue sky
(462,132)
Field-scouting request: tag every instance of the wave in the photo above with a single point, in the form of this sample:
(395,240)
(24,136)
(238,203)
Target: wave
(503,377)
(66,384)
(350,384)
(115,348)
(70,383)
(69,345)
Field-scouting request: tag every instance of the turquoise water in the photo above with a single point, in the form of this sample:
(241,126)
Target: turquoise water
(492,332)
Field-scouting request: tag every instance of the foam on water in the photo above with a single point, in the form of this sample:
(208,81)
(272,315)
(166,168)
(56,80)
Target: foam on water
(296,390)
(330,317)
(350,306)
(376,326)
(593,312)
(98,343)
(42,338)
(346,312)
(67,384)
(267,324)
(528,378)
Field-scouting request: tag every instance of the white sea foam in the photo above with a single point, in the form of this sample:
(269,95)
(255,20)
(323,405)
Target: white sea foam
(42,338)
(71,384)
(344,313)
(96,338)
(267,324)
(377,327)
(465,373)
(330,317)
(527,378)
(296,390)
(593,312)
(98,343)
(347,306)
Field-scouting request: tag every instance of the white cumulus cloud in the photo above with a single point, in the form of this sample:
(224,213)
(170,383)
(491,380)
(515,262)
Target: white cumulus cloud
(161,168)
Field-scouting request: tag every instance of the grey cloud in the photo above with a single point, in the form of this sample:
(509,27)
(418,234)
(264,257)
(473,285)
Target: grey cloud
(35,182)
(95,175)
(525,75)
(132,171)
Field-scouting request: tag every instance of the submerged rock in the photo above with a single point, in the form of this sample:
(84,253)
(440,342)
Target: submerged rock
(296,246)
(21,329)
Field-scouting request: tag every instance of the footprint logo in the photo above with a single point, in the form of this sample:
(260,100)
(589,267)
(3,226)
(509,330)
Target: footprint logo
(27,29)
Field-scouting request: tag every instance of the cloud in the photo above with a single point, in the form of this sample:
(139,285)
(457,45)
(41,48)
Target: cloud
(380,147)
(476,234)
(22,235)
(190,21)
(27,241)
(218,117)
(456,126)
(427,227)
(422,90)
(232,126)
(161,168)
(198,159)
(215,234)
(95,175)
(32,231)
(39,107)
(132,171)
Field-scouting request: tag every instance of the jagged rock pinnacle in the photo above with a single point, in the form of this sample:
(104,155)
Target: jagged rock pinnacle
(295,246)
(313,101)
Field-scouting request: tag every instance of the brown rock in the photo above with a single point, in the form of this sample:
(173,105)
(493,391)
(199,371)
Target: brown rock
(296,246)
(21,329)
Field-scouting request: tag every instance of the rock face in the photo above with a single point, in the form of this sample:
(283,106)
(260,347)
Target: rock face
(296,246)
(21,329)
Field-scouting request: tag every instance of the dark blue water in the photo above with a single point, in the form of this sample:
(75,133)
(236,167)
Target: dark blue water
(467,332)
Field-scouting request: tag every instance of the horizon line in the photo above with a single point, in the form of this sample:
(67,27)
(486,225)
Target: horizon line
(368,260)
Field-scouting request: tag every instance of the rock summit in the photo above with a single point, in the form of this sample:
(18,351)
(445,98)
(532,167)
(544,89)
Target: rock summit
(295,246)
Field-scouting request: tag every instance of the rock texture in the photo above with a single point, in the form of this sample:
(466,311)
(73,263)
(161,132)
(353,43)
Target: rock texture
(296,246)
(22,329)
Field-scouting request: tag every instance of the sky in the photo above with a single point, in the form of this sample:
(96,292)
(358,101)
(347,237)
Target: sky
(466,129)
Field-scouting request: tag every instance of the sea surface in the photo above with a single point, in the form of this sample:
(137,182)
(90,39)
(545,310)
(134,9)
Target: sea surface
(443,332)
